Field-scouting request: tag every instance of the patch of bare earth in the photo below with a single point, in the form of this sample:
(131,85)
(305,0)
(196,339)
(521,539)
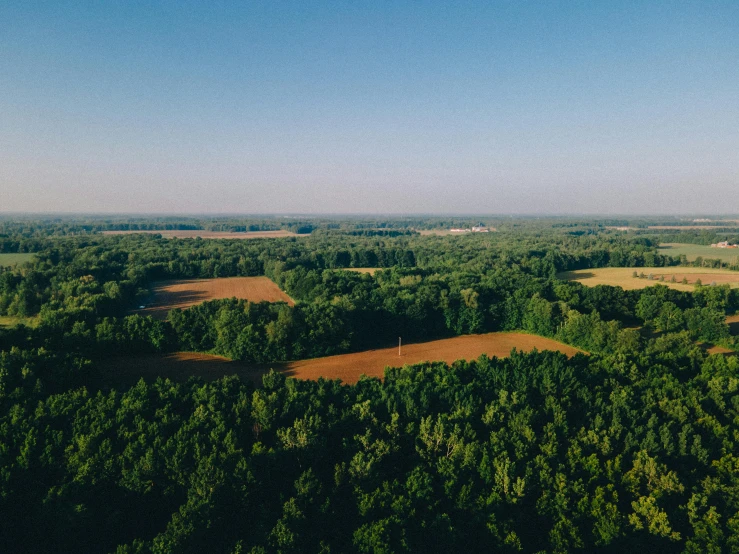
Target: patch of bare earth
(347,367)
(714,349)
(167,295)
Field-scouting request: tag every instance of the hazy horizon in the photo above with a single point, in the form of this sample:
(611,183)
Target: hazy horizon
(550,109)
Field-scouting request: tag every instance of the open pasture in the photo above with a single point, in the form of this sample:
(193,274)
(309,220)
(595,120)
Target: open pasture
(189,234)
(623,277)
(6,260)
(693,251)
(12,321)
(347,367)
(368,270)
(168,295)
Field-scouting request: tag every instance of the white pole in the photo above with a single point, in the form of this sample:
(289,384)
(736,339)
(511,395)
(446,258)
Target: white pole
(398,347)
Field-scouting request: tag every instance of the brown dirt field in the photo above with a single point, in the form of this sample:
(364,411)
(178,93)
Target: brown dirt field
(179,367)
(210,234)
(347,367)
(719,350)
(167,295)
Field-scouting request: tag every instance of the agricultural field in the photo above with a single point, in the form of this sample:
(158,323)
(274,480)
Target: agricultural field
(729,225)
(11,321)
(623,277)
(168,295)
(347,367)
(368,270)
(188,234)
(7,260)
(448,232)
(693,251)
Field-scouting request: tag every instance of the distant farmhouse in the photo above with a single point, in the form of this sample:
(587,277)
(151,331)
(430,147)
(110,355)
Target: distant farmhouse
(479,229)
(724,244)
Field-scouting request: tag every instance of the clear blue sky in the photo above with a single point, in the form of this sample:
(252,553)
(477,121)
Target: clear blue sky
(320,107)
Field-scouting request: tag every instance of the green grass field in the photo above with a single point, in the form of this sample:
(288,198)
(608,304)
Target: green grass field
(10,321)
(692,251)
(12,259)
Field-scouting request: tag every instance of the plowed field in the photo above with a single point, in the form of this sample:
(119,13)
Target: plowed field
(167,295)
(347,367)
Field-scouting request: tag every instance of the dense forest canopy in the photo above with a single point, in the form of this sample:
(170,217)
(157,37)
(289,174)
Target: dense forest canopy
(633,445)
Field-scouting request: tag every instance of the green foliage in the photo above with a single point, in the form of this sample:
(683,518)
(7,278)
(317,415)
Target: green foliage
(630,448)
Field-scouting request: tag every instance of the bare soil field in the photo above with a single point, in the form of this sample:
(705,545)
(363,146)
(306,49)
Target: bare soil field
(347,367)
(623,277)
(211,234)
(720,350)
(167,295)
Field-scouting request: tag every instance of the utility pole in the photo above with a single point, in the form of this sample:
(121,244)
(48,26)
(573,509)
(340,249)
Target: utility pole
(398,347)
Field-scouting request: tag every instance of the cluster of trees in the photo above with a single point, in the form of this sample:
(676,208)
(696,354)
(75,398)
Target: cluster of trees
(534,453)
(81,289)
(630,447)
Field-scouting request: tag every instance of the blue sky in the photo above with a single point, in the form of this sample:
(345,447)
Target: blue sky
(361,107)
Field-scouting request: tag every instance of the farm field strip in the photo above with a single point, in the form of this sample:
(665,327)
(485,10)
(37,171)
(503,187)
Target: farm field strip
(692,251)
(190,234)
(368,270)
(12,321)
(347,367)
(167,295)
(729,225)
(7,260)
(623,277)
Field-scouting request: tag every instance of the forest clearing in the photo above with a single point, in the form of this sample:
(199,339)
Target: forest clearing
(168,295)
(7,260)
(181,366)
(367,270)
(624,277)
(733,321)
(191,234)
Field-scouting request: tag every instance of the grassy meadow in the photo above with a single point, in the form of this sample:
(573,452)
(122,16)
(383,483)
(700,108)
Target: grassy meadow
(11,321)
(13,259)
(624,277)
(693,251)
